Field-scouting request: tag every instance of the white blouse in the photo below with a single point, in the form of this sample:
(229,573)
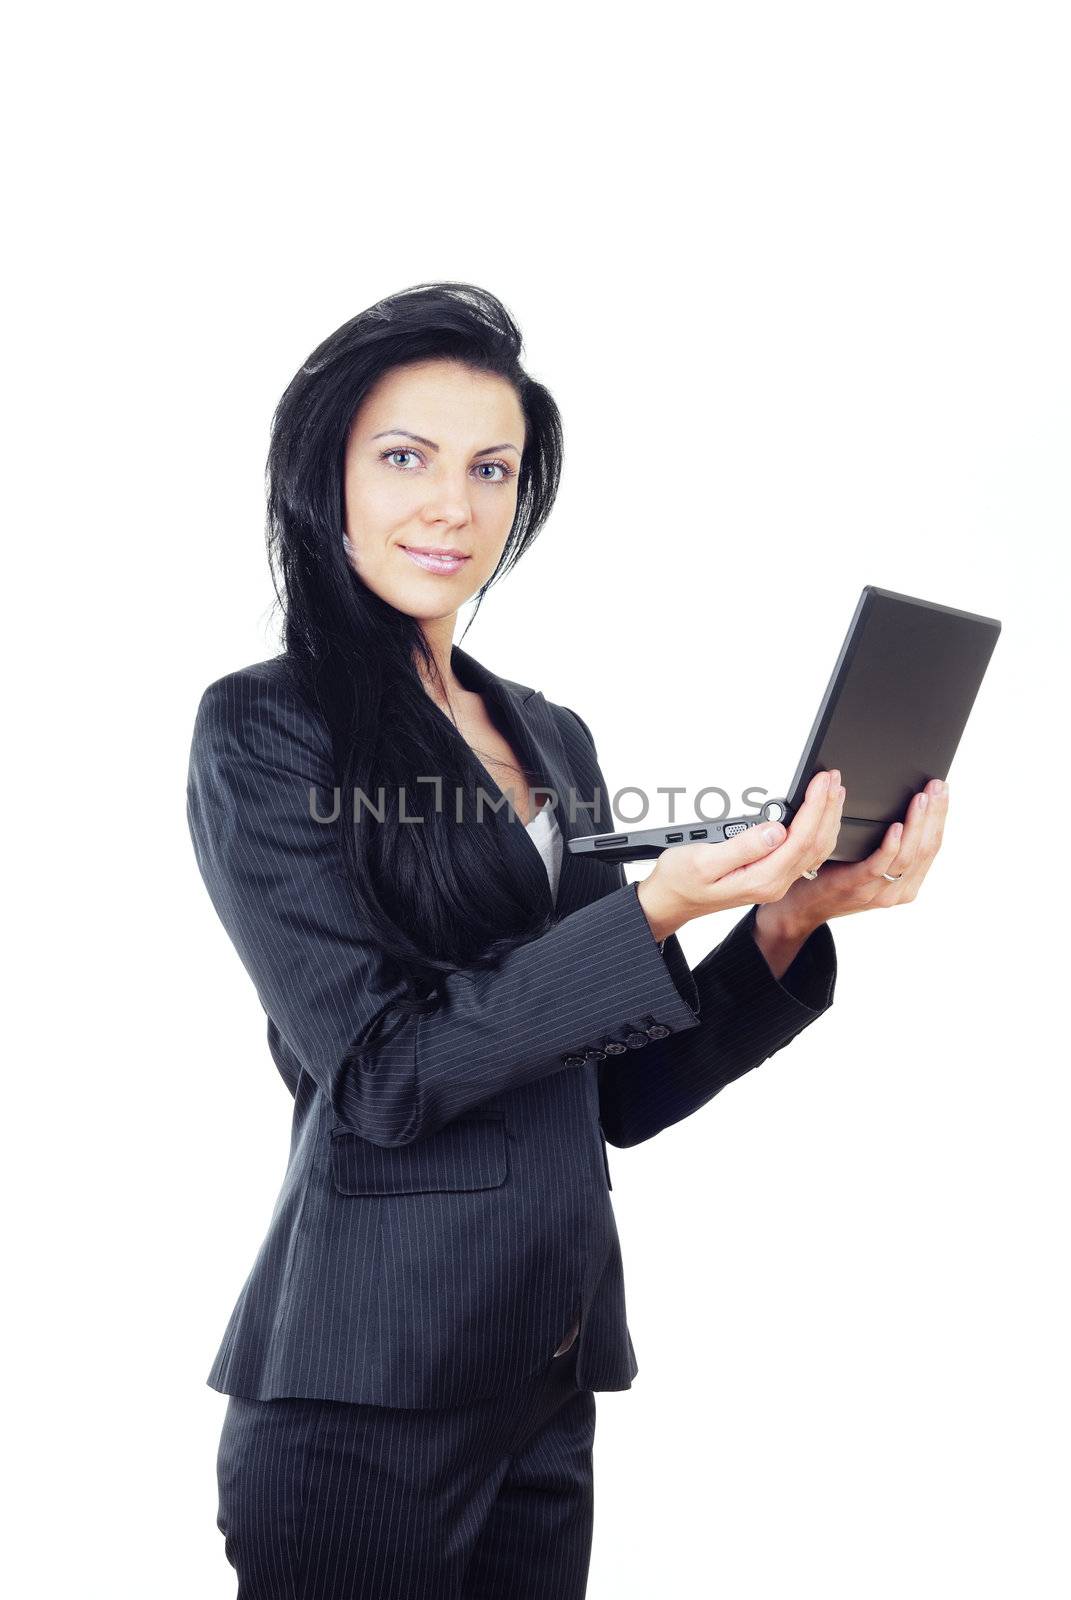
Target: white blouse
(545,834)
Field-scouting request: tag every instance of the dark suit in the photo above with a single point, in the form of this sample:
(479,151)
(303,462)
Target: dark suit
(445,1215)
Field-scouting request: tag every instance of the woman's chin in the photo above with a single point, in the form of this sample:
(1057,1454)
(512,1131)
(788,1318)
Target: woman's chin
(424,607)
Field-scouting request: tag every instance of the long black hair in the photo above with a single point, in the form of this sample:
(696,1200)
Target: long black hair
(435,897)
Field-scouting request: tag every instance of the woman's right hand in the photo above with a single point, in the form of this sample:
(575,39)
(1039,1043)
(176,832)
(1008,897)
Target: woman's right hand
(692,880)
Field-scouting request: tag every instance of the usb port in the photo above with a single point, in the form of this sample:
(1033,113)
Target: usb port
(674,838)
(697,833)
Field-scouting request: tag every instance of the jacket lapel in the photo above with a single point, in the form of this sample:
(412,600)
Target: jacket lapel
(529,724)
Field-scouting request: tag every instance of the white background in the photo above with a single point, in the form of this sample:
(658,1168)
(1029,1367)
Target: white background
(798,278)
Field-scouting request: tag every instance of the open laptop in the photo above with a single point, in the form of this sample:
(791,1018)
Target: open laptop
(891,719)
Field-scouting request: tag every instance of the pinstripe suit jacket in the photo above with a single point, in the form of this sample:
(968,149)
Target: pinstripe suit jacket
(445,1216)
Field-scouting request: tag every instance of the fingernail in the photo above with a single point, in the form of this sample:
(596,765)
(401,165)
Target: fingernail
(773,834)
(924,801)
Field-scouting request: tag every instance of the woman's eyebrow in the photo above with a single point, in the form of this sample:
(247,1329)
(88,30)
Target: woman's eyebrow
(433,446)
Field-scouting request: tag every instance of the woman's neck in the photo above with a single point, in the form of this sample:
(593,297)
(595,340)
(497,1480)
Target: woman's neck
(442,681)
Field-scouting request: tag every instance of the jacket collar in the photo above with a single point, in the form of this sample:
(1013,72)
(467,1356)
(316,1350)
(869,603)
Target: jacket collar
(527,720)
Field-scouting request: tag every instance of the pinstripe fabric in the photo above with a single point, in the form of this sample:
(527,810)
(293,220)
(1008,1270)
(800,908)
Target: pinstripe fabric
(445,1216)
(544,830)
(329,1501)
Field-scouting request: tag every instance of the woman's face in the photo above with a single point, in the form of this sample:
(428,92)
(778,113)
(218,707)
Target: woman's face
(431,465)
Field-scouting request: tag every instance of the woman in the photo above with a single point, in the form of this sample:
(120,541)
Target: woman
(463,1011)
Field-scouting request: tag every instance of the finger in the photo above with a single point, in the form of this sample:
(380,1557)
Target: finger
(916,854)
(906,836)
(829,827)
(828,831)
(801,843)
(743,849)
(881,860)
(764,841)
(918,827)
(940,812)
(934,826)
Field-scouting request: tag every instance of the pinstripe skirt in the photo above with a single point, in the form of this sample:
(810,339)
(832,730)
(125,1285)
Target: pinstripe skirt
(332,1500)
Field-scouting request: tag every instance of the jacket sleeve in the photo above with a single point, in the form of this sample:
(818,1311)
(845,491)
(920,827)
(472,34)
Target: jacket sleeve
(259,762)
(746,1015)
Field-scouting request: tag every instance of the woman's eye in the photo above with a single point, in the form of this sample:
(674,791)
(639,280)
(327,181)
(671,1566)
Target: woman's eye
(484,468)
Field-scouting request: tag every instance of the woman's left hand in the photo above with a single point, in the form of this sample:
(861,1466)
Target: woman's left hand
(842,887)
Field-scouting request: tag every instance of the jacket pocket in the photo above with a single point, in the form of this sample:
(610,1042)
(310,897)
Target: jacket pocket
(468,1153)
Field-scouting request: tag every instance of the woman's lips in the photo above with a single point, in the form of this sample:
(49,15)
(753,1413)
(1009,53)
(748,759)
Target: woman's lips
(443,564)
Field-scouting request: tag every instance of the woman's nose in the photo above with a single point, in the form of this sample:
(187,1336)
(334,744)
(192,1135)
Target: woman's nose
(448,503)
